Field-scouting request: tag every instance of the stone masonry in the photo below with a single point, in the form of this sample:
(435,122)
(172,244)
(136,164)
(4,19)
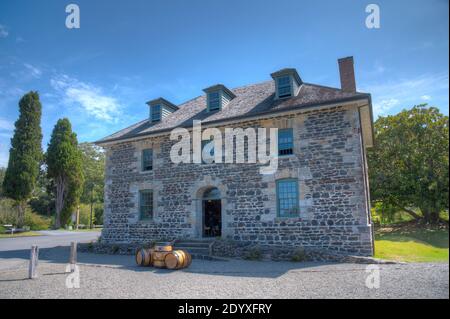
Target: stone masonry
(328,162)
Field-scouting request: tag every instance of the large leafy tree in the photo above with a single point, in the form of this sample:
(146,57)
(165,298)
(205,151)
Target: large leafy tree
(25,154)
(409,164)
(93,170)
(64,168)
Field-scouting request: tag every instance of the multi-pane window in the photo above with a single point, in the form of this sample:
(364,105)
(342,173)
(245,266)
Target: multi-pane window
(213,101)
(156,113)
(287,198)
(285,142)
(284,86)
(147,160)
(146,204)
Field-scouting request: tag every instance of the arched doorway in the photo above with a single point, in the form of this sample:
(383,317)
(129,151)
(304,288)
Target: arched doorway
(211,213)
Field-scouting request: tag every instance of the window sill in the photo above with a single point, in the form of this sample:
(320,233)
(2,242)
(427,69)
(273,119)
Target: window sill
(146,221)
(286,156)
(146,172)
(285,218)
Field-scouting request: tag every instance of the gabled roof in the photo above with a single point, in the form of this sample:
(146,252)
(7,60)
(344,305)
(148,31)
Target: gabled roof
(162,100)
(251,100)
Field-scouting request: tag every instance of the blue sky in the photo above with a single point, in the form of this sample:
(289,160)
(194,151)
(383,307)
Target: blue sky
(128,52)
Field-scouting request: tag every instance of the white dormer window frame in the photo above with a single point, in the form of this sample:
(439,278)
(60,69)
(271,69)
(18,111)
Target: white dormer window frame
(159,109)
(217,97)
(287,83)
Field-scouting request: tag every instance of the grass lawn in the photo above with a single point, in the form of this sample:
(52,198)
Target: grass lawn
(410,243)
(24,234)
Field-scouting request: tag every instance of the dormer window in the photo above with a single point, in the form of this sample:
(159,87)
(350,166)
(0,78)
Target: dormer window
(156,113)
(160,109)
(214,101)
(287,83)
(284,87)
(217,97)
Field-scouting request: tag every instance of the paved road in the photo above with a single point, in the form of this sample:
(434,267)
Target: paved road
(103,276)
(49,238)
(15,251)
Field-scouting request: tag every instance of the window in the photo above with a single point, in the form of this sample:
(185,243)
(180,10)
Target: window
(213,101)
(284,86)
(287,198)
(285,142)
(146,204)
(156,113)
(204,143)
(147,160)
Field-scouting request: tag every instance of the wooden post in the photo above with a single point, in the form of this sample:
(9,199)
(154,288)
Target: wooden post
(73,256)
(34,257)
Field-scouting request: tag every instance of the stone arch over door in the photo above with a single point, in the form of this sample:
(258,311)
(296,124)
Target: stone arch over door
(197,192)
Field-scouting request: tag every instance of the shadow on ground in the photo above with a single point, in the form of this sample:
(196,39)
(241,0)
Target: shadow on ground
(252,269)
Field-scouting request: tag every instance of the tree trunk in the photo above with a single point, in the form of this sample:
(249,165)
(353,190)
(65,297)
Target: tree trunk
(59,200)
(21,214)
(431,217)
(410,212)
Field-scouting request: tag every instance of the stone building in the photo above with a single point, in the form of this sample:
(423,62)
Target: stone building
(318,197)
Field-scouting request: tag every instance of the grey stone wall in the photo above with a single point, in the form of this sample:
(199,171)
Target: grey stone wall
(328,162)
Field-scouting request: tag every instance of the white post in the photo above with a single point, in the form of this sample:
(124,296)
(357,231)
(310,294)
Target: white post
(34,257)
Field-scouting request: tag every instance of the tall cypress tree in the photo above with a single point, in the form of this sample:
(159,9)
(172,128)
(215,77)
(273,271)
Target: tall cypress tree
(25,154)
(64,167)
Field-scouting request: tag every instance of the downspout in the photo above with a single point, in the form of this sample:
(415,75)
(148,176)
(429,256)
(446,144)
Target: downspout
(366,181)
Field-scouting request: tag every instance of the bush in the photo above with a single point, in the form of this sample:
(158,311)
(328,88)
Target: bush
(8,212)
(37,222)
(254,253)
(299,254)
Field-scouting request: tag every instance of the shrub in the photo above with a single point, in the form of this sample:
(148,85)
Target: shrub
(115,249)
(254,253)
(299,254)
(8,212)
(37,222)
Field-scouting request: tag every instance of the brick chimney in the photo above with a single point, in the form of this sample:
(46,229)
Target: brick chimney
(347,74)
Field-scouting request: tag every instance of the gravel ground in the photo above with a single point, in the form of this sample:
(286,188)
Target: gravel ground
(103,276)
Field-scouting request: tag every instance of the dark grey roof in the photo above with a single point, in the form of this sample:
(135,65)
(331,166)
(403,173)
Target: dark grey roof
(250,100)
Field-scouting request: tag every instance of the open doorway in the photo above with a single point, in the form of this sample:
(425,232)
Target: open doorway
(212,213)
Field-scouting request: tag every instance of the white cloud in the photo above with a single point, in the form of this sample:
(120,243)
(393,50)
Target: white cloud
(34,71)
(406,92)
(89,97)
(3,31)
(383,106)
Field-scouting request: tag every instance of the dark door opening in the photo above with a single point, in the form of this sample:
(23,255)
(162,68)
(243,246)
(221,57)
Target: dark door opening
(212,218)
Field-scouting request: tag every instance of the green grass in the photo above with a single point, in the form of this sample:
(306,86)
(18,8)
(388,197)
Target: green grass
(24,234)
(412,244)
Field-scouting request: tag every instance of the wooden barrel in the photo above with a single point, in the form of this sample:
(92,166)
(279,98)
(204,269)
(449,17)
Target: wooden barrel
(144,257)
(178,259)
(158,258)
(163,247)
